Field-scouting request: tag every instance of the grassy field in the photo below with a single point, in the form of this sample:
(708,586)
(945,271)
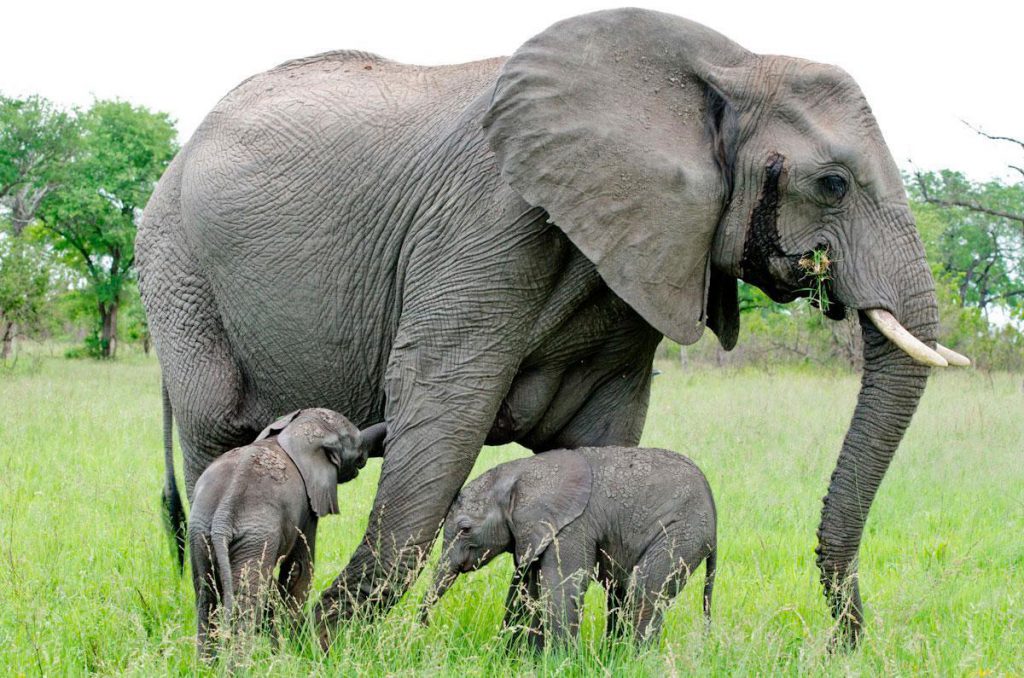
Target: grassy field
(87,584)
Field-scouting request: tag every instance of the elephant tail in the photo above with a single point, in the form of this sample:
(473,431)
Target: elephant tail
(173,509)
(221,538)
(710,569)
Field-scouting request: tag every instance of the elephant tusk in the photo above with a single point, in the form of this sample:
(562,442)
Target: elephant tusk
(952,357)
(899,335)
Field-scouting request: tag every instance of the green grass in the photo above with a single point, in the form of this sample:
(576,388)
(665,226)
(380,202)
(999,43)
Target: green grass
(87,584)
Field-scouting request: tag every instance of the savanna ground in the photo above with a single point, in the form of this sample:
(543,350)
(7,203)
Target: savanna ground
(87,583)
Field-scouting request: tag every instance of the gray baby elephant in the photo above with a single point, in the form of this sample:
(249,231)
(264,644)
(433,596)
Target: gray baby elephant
(258,505)
(641,520)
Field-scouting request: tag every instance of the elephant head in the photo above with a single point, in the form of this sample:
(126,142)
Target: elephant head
(678,162)
(519,506)
(327,449)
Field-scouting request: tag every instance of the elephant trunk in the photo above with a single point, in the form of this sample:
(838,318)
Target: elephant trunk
(443,579)
(891,386)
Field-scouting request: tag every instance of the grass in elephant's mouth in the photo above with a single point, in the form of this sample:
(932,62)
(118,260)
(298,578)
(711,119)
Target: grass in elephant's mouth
(87,585)
(816,267)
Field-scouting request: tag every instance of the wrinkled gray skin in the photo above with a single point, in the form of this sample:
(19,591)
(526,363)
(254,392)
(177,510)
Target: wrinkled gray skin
(490,252)
(641,520)
(257,506)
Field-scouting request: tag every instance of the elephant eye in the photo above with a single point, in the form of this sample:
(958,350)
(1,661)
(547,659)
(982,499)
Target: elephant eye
(833,186)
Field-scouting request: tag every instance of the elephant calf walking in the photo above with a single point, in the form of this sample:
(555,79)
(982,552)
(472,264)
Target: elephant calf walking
(642,519)
(258,505)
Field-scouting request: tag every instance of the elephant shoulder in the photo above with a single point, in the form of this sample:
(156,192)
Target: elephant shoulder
(266,461)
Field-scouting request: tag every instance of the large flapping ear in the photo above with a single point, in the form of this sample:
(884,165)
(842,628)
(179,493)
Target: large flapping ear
(724,308)
(540,496)
(314,443)
(278,425)
(618,124)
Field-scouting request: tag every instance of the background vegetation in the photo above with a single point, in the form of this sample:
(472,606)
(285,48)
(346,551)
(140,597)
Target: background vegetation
(87,582)
(72,188)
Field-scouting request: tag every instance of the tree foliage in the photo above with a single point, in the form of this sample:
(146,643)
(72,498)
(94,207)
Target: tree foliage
(36,142)
(91,216)
(978,237)
(24,283)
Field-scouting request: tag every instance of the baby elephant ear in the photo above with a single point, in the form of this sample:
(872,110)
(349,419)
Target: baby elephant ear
(315,442)
(278,425)
(543,495)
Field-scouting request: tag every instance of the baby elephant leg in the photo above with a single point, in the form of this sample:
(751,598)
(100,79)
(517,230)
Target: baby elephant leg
(253,556)
(616,596)
(204,581)
(295,578)
(564,576)
(658,577)
(523,608)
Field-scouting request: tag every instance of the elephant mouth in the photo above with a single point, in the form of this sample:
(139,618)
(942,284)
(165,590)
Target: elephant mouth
(796,276)
(807,276)
(822,296)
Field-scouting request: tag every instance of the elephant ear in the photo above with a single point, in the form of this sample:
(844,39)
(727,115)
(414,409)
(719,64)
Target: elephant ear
(616,124)
(278,425)
(541,496)
(315,444)
(724,308)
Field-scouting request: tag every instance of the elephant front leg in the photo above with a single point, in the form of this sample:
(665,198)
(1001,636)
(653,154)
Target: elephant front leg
(564,575)
(438,415)
(522,607)
(468,307)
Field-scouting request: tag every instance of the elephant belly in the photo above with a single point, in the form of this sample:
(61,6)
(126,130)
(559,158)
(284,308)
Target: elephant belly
(586,385)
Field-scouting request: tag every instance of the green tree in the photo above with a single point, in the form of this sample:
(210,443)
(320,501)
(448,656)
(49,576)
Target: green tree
(24,283)
(979,242)
(36,142)
(91,216)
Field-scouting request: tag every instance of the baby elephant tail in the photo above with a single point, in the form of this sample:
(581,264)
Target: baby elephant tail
(173,509)
(220,539)
(710,568)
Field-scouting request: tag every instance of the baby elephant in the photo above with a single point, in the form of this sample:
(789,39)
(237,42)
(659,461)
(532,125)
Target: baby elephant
(640,519)
(258,505)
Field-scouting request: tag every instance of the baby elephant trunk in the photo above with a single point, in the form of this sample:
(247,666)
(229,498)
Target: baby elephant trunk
(443,580)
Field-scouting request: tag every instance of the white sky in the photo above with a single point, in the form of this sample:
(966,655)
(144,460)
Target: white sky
(924,66)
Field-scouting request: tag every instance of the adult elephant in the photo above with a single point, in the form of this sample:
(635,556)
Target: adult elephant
(491,252)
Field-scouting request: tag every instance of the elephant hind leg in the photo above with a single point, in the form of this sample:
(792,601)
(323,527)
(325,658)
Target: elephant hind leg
(253,557)
(204,384)
(659,576)
(296,576)
(204,581)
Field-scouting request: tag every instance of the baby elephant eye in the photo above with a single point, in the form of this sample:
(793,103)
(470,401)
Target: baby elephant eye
(833,186)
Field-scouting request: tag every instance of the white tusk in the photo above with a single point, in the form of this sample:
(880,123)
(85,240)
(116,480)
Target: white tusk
(898,334)
(952,357)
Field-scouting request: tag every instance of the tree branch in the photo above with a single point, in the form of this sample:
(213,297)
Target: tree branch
(973,206)
(1007,295)
(77,244)
(993,137)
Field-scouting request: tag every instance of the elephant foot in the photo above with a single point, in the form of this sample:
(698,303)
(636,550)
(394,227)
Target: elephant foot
(366,590)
